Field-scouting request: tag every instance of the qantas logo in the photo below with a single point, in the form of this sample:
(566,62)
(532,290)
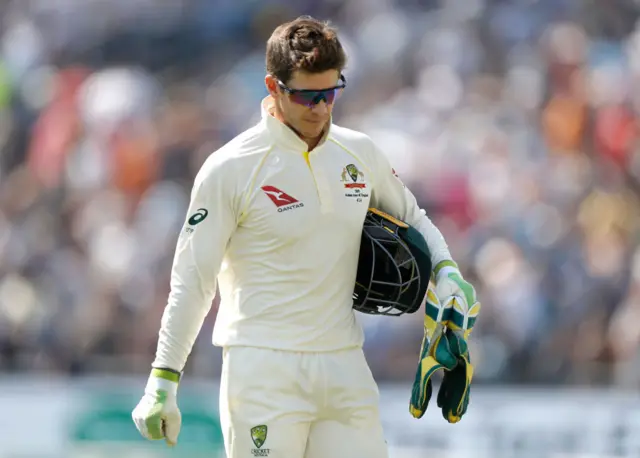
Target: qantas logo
(281,199)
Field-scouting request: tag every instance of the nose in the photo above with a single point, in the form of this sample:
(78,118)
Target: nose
(321,108)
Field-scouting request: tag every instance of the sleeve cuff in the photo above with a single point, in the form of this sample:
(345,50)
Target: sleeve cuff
(166,374)
(445,268)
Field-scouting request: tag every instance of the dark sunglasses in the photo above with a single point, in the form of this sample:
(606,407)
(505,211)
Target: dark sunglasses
(311,97)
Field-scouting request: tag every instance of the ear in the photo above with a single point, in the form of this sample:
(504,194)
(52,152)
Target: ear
(271,85)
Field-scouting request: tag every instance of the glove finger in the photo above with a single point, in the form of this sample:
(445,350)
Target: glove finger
(153,423)
(443,394)
(171,428)
(417,408)
(141,426)
(468,377)
(422,389)
(446,401)
(453,397)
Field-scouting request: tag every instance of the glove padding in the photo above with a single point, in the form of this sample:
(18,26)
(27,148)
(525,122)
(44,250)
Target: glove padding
(157,415)
(432,359)
(453,396)
(434,354)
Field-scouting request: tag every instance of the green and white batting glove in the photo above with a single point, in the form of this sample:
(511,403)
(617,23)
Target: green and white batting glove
(435,354)
(459,296)
(447,324)
(157,415)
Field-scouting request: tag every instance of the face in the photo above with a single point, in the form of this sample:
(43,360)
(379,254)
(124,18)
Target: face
(308,120)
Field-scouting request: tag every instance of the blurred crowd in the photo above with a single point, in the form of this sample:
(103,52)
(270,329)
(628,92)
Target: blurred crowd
(514,122)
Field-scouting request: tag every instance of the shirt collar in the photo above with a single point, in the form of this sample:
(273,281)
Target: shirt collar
(283,134)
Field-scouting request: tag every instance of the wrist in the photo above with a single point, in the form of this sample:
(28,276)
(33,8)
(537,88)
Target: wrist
(163,379)
(166,373)
(446,267)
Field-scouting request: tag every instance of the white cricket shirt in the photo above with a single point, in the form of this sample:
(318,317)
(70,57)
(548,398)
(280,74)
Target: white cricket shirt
(279,229)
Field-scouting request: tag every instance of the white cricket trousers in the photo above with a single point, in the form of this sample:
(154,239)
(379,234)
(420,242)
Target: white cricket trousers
(281,404)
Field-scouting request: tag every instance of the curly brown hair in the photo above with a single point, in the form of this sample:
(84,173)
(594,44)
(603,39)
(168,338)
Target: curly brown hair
(305,44)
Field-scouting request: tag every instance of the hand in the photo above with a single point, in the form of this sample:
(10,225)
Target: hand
(459,296)
(455,293)
(450,314)
(157,415)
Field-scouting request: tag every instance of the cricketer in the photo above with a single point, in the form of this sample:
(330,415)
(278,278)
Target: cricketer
(274,224)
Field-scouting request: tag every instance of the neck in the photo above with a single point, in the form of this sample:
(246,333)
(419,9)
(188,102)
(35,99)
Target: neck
(311,142)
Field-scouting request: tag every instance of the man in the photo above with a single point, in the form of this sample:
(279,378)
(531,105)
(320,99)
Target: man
(276,216)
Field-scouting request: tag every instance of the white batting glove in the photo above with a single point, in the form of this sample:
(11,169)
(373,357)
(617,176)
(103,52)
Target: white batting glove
(157,415)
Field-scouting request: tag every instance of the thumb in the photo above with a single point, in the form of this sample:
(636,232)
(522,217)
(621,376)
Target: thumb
(171,428)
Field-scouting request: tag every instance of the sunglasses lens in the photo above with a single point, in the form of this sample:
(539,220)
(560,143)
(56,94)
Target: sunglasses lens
(330,96)
(304,98)
(312,98)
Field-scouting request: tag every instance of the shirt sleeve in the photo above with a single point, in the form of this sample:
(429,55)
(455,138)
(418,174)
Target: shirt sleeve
(201,245)
(390,195)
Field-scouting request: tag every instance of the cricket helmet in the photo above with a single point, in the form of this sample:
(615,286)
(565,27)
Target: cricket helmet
(394,267)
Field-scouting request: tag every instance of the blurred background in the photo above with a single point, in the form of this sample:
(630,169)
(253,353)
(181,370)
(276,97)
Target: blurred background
(514,122)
